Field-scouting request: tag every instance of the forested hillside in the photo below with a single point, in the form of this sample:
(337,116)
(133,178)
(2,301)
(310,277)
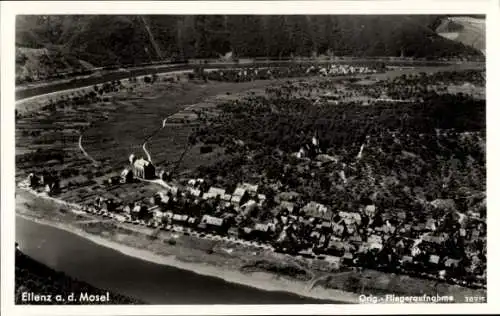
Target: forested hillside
(105,40)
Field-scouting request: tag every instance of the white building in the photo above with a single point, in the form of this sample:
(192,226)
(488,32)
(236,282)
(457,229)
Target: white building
(213,192)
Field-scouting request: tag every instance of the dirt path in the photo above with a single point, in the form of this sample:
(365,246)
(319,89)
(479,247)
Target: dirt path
(95,162)
(147,152)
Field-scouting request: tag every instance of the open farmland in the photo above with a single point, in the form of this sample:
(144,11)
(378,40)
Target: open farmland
(111,128)
(136,118)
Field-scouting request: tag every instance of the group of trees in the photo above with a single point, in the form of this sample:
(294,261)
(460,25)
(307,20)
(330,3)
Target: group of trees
(289,123)
(405,145)
(45,64)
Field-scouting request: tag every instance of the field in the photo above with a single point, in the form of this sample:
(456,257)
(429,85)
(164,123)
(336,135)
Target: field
(111,129)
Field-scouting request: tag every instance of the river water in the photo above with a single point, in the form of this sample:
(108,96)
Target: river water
(153,283)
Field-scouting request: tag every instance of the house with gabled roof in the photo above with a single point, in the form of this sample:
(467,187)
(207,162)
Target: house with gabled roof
(126,176)
(348,258)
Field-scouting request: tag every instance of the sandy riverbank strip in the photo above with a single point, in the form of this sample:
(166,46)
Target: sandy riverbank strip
(260,280)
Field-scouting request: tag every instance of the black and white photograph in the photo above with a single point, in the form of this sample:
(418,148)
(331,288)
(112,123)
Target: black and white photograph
(249,159)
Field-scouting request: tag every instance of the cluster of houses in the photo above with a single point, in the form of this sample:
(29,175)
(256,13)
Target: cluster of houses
(314,230)
(368,236)
(295,70)
(334,70)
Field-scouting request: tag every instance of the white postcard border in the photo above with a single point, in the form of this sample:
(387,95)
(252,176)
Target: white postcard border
(10,9)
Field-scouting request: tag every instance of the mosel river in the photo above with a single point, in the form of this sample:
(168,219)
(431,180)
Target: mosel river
(153,283)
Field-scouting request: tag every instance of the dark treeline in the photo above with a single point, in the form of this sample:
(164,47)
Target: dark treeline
(106,40)
(290,124)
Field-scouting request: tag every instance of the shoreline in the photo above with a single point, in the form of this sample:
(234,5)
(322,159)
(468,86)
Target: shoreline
(259,280)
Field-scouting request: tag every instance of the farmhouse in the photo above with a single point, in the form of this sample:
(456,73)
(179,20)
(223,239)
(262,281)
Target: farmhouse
(408,259)
(179,219)
(158,215)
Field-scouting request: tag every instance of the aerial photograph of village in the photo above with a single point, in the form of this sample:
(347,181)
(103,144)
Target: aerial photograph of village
(250,159)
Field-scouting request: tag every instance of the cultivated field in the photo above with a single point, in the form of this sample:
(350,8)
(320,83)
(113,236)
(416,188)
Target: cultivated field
(110,130)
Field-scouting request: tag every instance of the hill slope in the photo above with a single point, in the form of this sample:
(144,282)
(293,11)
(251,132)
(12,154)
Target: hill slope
(33,64)
(109,40)
(467,30)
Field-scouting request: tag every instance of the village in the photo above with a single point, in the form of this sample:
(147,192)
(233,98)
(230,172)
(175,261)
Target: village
(366,238)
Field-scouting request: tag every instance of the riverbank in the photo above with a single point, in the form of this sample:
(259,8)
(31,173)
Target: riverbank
(258,268)
(260,280)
